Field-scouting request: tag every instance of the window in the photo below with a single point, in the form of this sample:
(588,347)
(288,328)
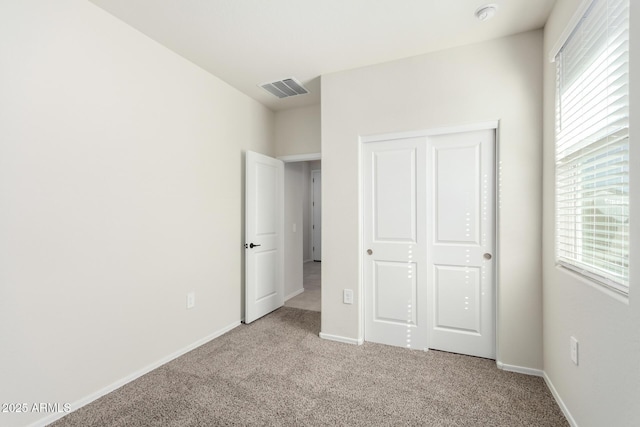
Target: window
(592,146)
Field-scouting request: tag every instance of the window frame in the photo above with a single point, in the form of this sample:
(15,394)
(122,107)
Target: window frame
(588,274)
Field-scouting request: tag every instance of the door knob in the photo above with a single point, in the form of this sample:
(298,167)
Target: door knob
(487,256)
(369,251)
(251,245)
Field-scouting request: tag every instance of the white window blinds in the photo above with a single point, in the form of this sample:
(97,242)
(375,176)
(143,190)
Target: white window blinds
(592,146)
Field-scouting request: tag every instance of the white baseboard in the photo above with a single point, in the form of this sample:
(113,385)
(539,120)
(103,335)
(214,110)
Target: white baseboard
(137,374)
(293,294)
(520,369)
(338,338)
(559,401)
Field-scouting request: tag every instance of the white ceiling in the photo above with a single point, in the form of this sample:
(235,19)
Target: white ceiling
(248,42)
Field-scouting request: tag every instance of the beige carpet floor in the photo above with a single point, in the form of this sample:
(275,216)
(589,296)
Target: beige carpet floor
(277,372)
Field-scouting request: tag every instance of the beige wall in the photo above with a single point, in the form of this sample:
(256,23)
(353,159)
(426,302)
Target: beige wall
(500,79)
(298,131)
(604,390)
(120,190)
(296,183)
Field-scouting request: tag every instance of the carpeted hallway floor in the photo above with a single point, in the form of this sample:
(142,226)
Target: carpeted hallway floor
(310,299)
(277,372)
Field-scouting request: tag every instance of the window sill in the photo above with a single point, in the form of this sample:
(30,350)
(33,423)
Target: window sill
(617,295)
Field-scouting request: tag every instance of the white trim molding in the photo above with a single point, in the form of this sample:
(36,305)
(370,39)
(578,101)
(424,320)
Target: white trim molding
(293,294)
(345,340)
(133,376)
(301,157)
(573,23)
(469,127)
(519,369)
(559,401)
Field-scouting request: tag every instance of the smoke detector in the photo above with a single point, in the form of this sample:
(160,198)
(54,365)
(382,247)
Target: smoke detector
(486,12)
(285,88)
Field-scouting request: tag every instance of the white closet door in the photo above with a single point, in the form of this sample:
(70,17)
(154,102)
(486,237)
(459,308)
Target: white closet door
(395,242)
(461,242)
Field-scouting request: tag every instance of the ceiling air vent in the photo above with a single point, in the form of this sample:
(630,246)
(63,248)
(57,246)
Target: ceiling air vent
(285,88)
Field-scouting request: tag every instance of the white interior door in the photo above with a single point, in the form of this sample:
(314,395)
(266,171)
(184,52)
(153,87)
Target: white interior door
(461,242)
(316,215)
(394,186)
(264,225)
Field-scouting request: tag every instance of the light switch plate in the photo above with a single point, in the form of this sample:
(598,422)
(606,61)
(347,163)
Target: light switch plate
(347,296)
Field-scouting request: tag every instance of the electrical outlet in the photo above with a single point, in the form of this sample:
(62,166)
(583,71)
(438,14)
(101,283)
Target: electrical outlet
(347,296)
(191,299)
(573,346)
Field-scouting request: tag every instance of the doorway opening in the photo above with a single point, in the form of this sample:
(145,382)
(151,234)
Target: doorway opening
(303,232)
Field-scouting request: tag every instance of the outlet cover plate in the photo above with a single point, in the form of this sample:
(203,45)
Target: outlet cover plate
(573,346)
(191,299)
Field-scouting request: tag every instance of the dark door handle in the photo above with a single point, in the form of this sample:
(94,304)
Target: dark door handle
(253,246)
